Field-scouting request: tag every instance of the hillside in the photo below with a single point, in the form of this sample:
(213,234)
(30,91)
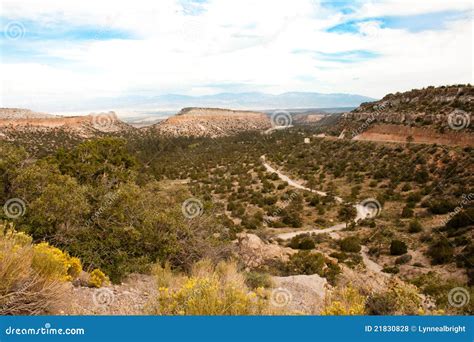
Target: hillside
(429,115)
(212,122)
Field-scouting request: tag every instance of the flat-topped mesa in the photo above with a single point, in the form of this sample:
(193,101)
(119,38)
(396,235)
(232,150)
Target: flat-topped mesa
(212,122)
(13,119)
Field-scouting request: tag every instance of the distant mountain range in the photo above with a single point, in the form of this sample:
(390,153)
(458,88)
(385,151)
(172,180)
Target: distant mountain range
(249,100)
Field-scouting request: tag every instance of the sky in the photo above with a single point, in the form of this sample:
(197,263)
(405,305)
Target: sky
(59,52)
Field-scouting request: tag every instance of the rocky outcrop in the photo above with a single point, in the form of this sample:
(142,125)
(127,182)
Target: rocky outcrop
(442,115)
(212,122)
(254,252)
(425,106)
(300,293)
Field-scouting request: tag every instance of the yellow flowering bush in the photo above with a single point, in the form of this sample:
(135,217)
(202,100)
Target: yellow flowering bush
(53,262)
(210,290)
(345,301)
(97,278)
(31,276)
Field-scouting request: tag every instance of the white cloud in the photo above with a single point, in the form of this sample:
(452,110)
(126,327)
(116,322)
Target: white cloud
(247,42)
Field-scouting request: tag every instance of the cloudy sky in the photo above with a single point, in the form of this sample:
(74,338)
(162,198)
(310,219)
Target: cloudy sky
(57,51)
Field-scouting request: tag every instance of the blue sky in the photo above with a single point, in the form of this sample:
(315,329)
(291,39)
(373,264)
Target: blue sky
(80,51)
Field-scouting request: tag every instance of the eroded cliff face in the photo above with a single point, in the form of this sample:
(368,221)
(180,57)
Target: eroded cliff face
(212,122)
(440,115)
(426,135)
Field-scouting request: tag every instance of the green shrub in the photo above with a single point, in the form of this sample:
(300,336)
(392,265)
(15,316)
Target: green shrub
(441,252)
(350,244)
(398,247)
(415,227)
(391,269)
(255,280)
(442,206)
(462,219)
(407,212)
(302,242)
(305,262)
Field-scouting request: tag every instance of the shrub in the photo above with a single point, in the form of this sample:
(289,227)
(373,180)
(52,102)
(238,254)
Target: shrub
(255,280)
(391,269)
(415,227)
(441,252)
(292,218)
(305,262)
(344,301)
(54,263)
(75,267)
(380,304)
(407,212)
(442,206)
(462,219)
(302,242)
(331,273)
(97,278)
(399,299)
(350,244)
(398,247)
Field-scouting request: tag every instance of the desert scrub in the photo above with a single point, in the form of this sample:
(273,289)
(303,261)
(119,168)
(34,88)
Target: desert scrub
(399,299)
(350,244)
(344,301)
(398,247)
(26,286)
(97,278)
(306,262)
(210,290)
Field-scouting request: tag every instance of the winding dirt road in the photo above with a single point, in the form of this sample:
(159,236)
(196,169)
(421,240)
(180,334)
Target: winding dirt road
(361,214)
